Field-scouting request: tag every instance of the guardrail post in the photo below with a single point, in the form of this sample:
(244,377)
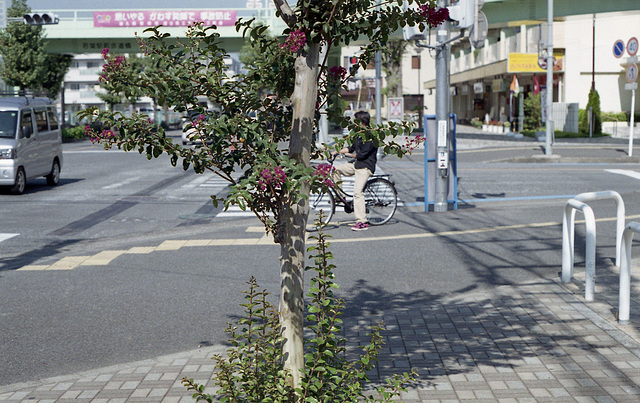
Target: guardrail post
(568,245)
(624,298)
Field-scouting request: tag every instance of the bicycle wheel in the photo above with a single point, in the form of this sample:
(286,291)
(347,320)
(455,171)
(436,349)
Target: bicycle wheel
(381,199)
(320,201)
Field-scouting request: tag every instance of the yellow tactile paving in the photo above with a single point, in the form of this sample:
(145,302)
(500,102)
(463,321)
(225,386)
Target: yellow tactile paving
(141,250)
(103,258)
(68,263)
(171,245)
(34,267)
(266,240)
(106,257)
(245,241)
(197,242)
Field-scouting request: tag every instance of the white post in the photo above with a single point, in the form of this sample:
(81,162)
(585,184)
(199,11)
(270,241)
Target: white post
(620,213)
(624,296)
(633,108)
(590,248)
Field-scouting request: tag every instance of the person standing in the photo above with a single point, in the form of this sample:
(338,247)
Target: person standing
(362,166)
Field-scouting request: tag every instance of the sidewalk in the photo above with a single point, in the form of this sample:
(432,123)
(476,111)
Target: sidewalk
(531,342)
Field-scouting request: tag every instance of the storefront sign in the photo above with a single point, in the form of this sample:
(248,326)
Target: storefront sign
(478,88)
(528,63)
(464,89)
(164,18)
(498,85)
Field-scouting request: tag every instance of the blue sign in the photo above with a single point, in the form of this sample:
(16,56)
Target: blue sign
(618,48)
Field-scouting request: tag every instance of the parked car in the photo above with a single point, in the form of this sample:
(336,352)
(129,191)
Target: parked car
(30,142)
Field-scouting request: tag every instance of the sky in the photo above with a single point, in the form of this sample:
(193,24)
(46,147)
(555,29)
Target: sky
(51,5)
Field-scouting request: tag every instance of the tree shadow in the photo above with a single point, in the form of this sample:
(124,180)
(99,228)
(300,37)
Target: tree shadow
(476,335)
(31,256)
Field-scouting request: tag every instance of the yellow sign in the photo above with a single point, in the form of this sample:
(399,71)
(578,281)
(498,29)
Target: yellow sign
(528,63)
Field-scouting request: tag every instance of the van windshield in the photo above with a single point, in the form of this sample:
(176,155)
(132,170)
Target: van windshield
(8,120)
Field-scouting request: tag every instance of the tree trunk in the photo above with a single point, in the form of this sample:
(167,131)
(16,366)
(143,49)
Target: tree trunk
(294,216)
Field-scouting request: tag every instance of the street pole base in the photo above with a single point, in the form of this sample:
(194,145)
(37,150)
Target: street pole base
(440,207)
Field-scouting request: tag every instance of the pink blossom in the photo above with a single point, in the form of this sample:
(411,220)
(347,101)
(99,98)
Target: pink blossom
(104,53)
(434,16)
(338,72)
(295,41)
(324,171)
(274,178)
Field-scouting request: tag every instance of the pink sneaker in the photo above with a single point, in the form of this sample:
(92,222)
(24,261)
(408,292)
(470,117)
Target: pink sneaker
(360,226)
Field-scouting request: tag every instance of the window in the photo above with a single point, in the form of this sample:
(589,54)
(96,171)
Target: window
(41,120)
(53,119)
(26,122)
(8,120)
(415,62)
(93,65)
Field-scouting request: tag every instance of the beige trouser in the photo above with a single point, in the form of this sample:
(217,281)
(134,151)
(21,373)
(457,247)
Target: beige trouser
(361,177)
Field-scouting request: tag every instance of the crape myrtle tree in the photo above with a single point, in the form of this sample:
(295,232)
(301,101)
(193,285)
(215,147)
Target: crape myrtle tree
(273,150)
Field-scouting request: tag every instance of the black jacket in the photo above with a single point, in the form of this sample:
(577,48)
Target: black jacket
(365,154)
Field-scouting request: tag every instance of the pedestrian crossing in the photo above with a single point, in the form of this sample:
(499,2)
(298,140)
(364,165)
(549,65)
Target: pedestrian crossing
(214,185)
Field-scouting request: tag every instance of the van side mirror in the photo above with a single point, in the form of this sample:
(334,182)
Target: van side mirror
(26,132)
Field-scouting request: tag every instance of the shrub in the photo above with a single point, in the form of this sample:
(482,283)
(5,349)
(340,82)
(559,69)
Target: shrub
(583,115)
(252,370)
(532,112)
(74,133)
(614,117)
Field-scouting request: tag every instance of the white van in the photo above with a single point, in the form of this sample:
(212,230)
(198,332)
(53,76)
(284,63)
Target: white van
(30,142)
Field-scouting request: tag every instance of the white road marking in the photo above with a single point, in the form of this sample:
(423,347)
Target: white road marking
(124,182)
(196,182)
(627,172)
(4,237)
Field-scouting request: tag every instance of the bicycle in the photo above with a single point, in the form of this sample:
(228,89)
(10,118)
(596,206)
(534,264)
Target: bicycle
(380,195)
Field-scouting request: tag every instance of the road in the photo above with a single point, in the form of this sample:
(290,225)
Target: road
(128,260)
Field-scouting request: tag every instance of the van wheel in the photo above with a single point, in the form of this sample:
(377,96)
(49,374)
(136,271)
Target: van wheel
(20,184)
(54,177)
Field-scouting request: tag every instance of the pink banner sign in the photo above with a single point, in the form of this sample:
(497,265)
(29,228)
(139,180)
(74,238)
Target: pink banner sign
(164,18)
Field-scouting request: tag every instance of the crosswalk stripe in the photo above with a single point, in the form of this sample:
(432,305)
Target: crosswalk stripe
(4,237)
(627,172)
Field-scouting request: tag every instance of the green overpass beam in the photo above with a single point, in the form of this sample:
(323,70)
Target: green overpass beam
(506,11)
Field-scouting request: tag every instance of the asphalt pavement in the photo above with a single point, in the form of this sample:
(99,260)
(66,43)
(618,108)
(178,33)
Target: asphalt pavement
(524,339)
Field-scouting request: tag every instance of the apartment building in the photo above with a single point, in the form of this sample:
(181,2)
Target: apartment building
(81,87)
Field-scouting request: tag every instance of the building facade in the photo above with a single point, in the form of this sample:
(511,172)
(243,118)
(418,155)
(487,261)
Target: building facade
(481,79)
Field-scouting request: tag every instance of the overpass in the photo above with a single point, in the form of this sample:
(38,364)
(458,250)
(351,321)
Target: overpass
(89,31)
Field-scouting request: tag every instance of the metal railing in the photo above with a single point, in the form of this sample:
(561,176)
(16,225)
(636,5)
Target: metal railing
(568,236)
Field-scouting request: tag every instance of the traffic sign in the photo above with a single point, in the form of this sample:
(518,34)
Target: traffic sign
(618,48)
(396,108)
(632,46)
(632,72)
(542,62)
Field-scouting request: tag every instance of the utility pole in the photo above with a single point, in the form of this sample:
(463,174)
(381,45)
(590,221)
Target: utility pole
(467,17)
(549,101)
(442,114)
